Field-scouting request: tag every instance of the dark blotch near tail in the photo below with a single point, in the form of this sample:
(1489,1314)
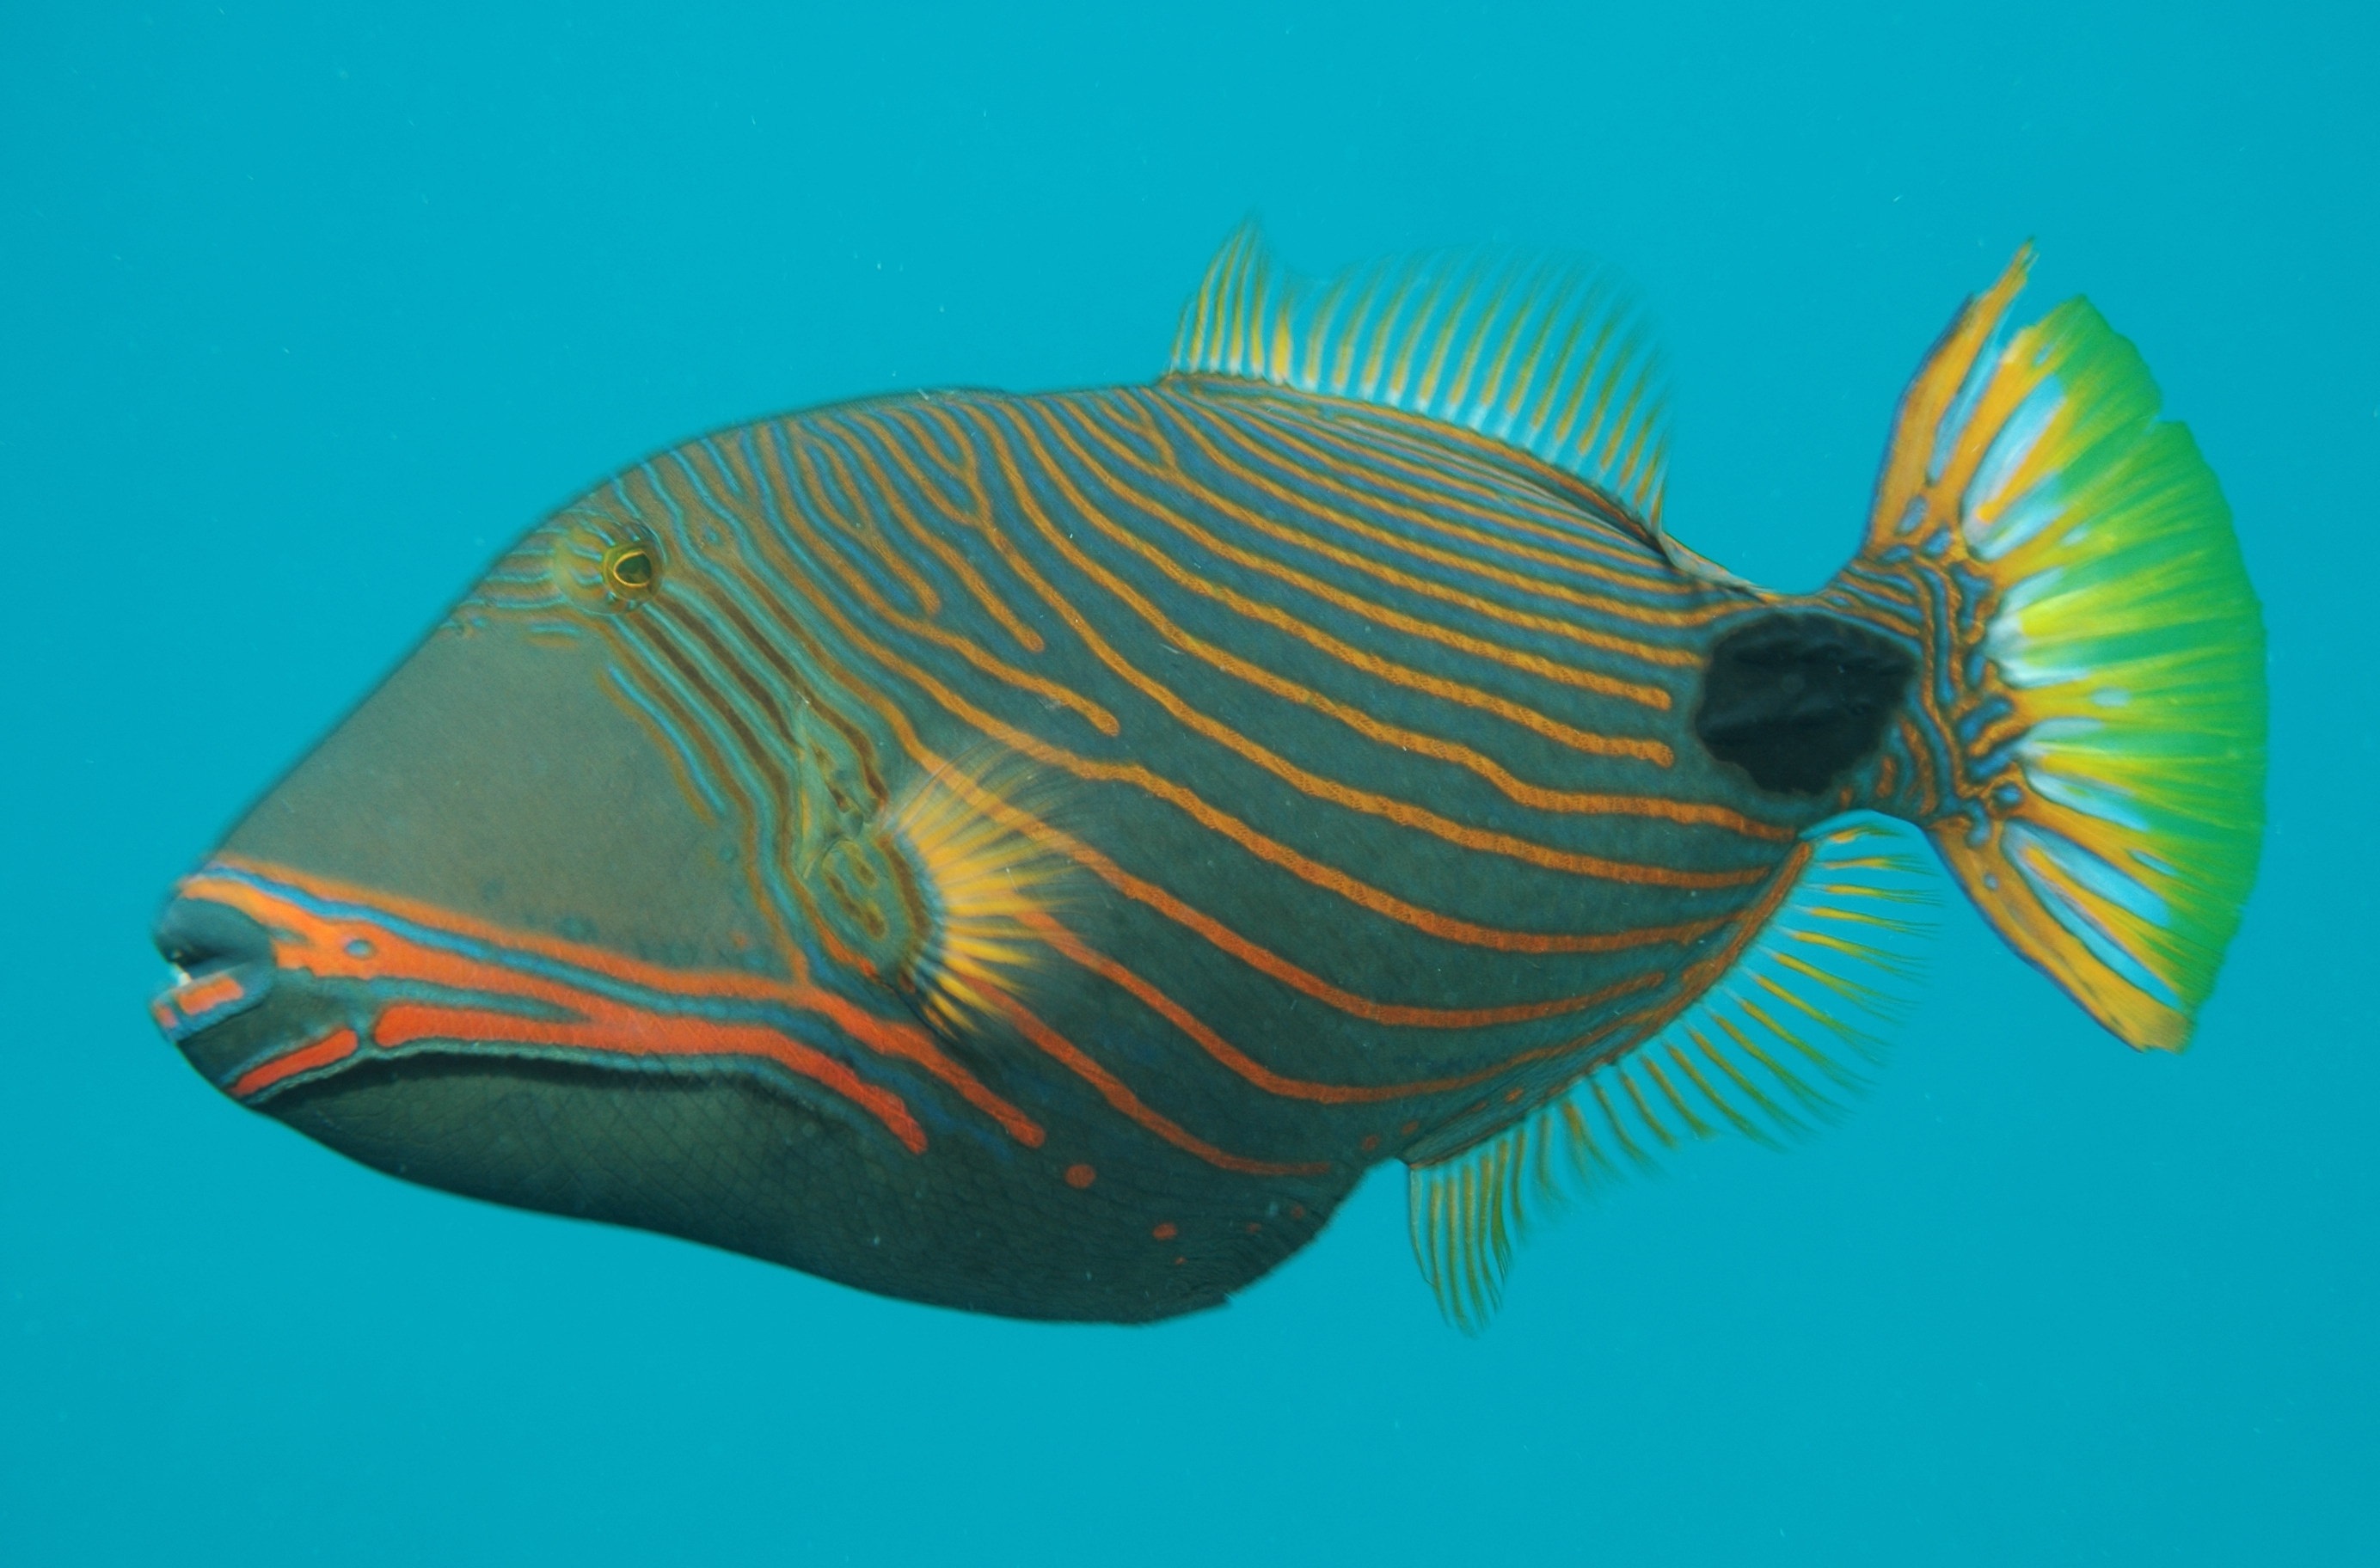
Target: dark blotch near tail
(1795,701)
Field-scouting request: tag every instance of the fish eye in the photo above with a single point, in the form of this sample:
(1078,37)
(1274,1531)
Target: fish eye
(629,569)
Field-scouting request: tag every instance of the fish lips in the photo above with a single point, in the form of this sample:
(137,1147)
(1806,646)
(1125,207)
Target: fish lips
(245,1024)
(222,965)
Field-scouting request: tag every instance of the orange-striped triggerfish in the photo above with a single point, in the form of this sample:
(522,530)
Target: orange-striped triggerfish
(1034,853)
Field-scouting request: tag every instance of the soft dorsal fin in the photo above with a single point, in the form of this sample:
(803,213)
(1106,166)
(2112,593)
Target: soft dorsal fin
(1771,1047)
(1546,353)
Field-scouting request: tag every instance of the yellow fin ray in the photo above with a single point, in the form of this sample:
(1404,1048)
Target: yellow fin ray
(983,882)
(1546,354)
(2103,720)
(1800,993)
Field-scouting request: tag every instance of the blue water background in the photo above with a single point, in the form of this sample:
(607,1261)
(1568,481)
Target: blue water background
(305,309)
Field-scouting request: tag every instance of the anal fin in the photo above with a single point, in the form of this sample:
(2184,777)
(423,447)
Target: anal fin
(1769,1049)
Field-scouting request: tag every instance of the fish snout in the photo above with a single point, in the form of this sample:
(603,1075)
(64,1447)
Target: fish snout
(224,968)
(200,937)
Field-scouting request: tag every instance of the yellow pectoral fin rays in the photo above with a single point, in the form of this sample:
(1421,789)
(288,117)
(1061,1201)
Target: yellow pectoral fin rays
(984,881)
(1769,1047)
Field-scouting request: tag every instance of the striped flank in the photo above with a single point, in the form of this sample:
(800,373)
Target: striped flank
(1354,736)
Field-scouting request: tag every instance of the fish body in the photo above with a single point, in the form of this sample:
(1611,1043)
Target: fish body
(1034,853)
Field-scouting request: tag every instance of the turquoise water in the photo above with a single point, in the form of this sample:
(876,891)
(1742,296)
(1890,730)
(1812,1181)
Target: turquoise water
(303,312)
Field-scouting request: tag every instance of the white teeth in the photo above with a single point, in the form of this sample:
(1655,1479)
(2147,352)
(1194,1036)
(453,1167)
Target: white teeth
(181,976)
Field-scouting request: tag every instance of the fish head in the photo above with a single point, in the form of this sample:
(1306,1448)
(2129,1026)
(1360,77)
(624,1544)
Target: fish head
(593,906)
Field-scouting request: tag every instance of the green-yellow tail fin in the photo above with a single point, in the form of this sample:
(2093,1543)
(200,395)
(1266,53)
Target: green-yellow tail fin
(2085,742)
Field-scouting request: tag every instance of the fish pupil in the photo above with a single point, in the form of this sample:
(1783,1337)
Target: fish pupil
(629,568)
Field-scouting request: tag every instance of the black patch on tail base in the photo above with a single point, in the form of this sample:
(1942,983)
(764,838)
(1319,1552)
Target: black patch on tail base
(1794,701)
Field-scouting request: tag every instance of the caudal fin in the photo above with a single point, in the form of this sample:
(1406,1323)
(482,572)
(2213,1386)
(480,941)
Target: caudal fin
(2086,739)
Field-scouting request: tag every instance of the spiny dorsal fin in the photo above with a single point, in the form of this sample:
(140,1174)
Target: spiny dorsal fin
(1546,353)
(1771,1047)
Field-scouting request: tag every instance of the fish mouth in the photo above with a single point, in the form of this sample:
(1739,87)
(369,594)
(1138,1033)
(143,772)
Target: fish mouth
(222,963)
(226,1008)
(284,979)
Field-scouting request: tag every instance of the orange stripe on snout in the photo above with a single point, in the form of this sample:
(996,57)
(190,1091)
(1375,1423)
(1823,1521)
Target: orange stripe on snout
(336,1045)
(645,1035)
(360,948)
(207,993)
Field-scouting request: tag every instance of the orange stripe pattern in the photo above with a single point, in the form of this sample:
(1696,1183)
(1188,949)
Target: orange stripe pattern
(1371,737)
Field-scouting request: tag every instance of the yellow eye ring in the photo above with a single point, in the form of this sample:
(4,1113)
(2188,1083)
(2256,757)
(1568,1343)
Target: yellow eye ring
(631,570)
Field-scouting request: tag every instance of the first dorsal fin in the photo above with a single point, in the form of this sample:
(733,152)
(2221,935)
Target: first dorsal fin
(1546,353)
